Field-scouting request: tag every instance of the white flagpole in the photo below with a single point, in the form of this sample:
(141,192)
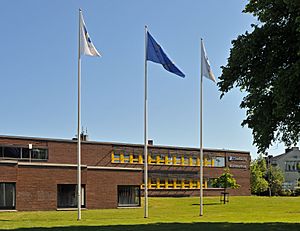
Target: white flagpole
(146,133)
(78,129)
(201,141)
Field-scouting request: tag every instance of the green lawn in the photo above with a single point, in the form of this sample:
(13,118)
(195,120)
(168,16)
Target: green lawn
(242,213)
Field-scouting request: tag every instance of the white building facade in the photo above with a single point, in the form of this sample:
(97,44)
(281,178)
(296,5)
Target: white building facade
(288,163)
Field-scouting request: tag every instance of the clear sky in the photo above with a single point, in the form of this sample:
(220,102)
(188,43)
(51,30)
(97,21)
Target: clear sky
(39,46)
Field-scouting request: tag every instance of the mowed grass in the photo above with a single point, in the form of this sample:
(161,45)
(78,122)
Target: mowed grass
(241,213)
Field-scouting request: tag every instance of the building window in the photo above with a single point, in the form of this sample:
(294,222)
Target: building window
(126,158)
(291,166)
(39,154)
(187,159)
(219,161)
(178,160)
(129,196)
(116,158)
(194,161)
(25,153)
(7,196)
(11,152)
(134,158)
(66,196)
(174,183)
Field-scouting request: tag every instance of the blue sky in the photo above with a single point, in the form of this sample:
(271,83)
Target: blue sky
(38,71)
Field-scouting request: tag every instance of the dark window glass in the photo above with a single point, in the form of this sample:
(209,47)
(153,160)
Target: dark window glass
(128,196)
(39,153)
(170,183)
(11,152)
(7,195)
(25,153)
(66,196)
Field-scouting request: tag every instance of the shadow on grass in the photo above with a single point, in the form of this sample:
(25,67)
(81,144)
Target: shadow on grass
(180,226)
(208,204)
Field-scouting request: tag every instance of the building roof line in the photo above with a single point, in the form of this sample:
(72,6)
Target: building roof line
(120,144)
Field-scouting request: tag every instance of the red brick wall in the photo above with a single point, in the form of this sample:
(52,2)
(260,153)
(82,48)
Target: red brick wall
(8,172)
(102,186)
(37,186)
(23,142)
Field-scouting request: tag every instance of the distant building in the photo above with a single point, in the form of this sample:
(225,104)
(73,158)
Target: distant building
(288,162)
(40,173)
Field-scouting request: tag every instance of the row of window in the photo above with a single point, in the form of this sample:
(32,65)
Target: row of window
(7,152)
(291,166)
(127,195)
(66,196)
(167,160)
(158,183)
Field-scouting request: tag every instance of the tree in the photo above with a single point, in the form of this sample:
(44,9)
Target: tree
(265,64)
(258,171)
(226,180)
(275,179)
(265,177)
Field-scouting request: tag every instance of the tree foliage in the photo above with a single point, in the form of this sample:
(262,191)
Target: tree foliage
(265,64)
(258,171)
(226,180)
(264,177)
(275,179)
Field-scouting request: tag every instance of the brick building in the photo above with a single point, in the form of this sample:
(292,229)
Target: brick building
(40,174)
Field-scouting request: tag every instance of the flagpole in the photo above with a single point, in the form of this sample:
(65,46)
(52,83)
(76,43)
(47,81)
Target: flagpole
(146,132)
(78,128)
(201,140)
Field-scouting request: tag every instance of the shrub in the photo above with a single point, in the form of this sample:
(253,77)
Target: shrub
(286,192)
(297,192)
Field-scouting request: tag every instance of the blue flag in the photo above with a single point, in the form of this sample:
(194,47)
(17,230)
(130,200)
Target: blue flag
(156,54)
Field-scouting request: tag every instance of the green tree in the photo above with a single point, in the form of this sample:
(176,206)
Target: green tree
(265,177)
(226,180)
(258,170)
(265,64)
(275,179)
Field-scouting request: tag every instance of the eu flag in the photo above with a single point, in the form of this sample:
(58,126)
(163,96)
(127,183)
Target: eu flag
(156,54)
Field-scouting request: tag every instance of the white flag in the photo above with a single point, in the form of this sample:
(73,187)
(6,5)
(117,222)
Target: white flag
(206,70)
(86,45)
